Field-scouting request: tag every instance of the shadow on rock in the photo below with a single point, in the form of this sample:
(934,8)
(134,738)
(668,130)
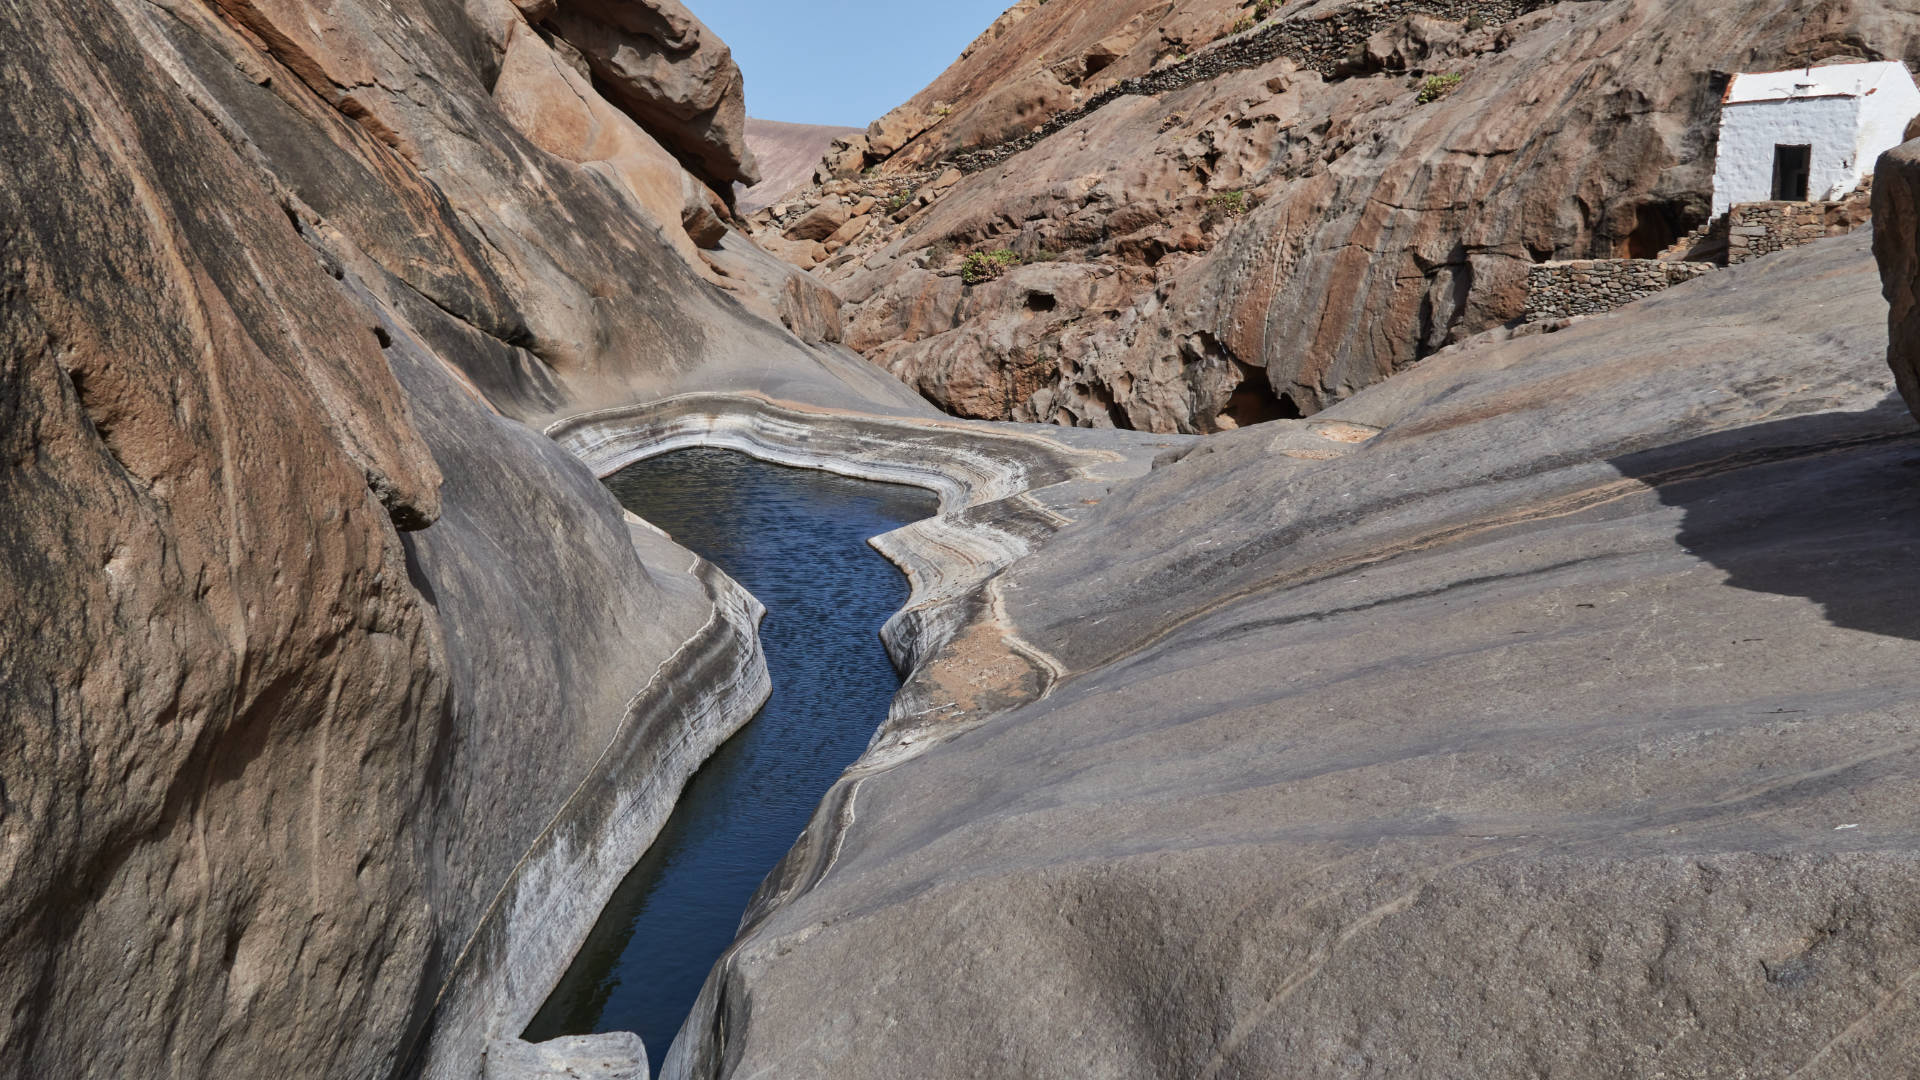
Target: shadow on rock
(1825,507)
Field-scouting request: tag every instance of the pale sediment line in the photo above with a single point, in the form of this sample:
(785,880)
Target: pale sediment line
(988,520)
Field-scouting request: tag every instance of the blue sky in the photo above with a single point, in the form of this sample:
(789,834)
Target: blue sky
(842,61)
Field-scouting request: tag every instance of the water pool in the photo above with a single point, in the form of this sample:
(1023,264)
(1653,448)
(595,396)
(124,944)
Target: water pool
(796,538)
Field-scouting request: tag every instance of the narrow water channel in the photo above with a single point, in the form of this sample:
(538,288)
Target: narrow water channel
(797,539)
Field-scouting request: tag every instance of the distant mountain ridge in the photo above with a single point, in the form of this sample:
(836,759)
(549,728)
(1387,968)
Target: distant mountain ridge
(788,154)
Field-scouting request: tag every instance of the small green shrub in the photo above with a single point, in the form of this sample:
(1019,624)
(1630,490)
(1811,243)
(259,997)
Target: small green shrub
(899,200)
(1476,21)
(983,266)
(1229,204)
(1439,86)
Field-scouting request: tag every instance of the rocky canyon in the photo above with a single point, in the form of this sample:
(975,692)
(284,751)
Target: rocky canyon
(1315,668)
(1304,205)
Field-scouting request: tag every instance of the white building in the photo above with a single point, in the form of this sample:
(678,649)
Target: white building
(1810,133)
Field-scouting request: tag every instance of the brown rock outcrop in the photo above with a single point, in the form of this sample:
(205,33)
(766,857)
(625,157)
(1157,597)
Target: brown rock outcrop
(1896,242)
(1037,59)
(660,64)
(315,643)
(556,108)
(1274,238)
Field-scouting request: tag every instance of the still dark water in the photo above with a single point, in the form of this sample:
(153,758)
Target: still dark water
(796,539)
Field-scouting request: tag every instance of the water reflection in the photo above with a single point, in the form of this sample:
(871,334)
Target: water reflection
(797,539)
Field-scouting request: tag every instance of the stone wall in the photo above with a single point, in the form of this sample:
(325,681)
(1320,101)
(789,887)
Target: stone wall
(1756,229)
(1562,290)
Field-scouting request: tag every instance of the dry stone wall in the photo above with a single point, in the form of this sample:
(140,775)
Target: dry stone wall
(1562,290)
(1756,229)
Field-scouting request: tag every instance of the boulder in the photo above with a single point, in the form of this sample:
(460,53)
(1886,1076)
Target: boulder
(819,223)
(850,231)
(701,216)
(844,160)
(661,65)
(1896,241)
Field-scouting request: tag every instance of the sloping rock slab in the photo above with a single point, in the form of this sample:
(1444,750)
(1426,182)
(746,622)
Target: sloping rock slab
(1566,727)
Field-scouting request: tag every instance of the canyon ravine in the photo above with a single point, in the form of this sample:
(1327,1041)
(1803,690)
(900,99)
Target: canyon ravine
(1315,669)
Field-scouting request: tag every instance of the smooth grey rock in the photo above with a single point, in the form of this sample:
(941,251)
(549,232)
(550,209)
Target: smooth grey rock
(616,1056)
(1565,727)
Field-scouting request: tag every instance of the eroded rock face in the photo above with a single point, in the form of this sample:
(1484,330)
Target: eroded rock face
(658,62)
(207,460)
(316,643)
(1272,239)
(1896,241)
(1547,709)
(1037,59)
(556,108)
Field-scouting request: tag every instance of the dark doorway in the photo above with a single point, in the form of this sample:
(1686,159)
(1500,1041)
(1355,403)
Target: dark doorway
(1792,169)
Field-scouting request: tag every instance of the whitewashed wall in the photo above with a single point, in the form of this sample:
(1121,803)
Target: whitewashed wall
(1749,132)
(1884,116)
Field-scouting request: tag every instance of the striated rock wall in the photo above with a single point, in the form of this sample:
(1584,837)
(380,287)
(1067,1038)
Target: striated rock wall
(337,696)
(211,849)
(1269,240)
